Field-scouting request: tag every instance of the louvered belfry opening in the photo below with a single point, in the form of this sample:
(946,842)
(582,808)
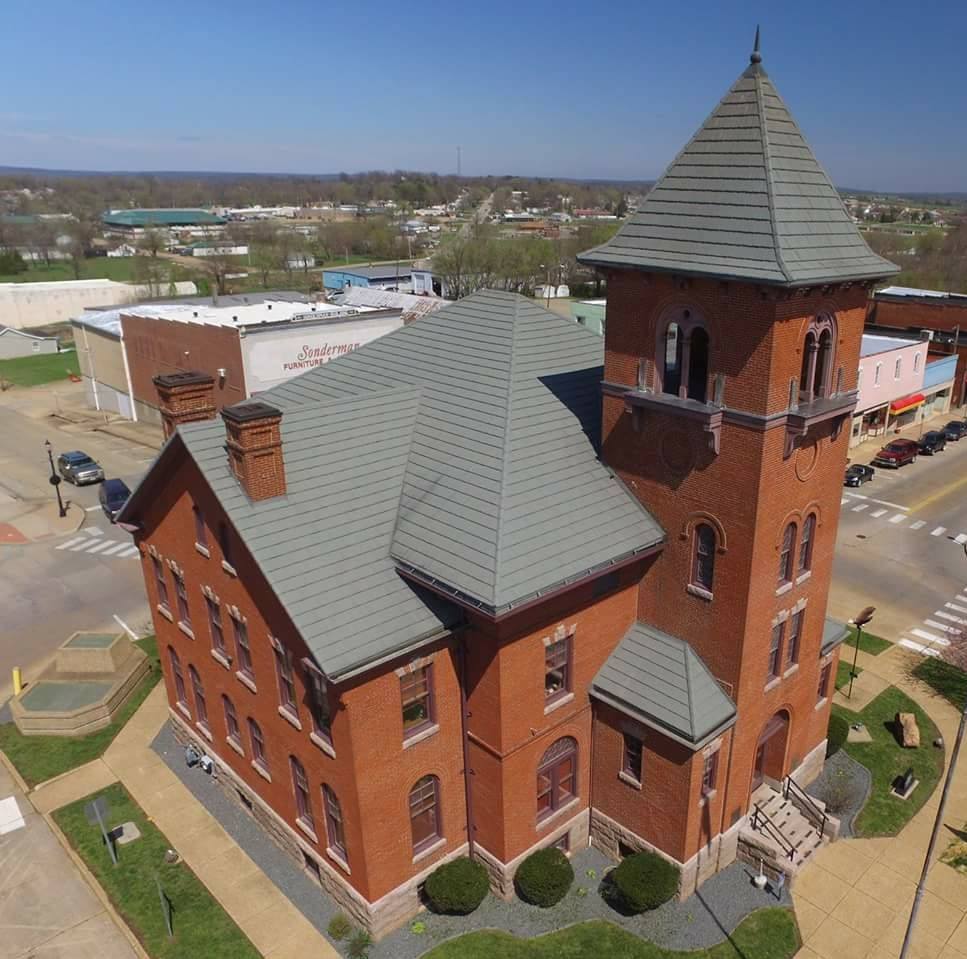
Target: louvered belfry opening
(253,440)
(184,398)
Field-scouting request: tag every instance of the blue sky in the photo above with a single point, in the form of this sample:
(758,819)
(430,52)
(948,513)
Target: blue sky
(603,89)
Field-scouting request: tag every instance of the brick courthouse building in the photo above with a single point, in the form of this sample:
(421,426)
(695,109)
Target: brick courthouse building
(490,583)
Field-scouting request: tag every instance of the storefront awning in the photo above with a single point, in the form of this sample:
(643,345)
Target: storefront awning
(906,403)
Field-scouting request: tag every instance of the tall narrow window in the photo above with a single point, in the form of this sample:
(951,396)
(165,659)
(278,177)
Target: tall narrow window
(876,374)
(916,362)
(806,543)
(242,648)
(416,694)
(181,596)
(896,369)
(703,559)
(424,813)
(795,637)
(671,380)
(335,832)
(557,670)
(824,364)
(631,757)
(557,777)
(283,671)
(201,531)
(198,691)
(159,578)
(824,675)
(215,625)
(300,786)
(232,731)
(318,702)
(179,678)
(710,773)
(808,365)
(775,649)
(225,543)
(258,745)
(698,365)
(785,554)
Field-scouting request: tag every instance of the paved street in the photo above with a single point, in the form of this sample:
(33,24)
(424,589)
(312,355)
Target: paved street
(900,548)
(78,581)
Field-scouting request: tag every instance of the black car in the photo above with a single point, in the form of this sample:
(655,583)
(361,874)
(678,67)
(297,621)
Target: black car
(113,495)
(932,442)
(955,430)
(857,474)
(78,468)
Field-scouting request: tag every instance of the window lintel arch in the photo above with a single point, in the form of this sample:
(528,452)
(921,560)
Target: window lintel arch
(699,518)
(796,518)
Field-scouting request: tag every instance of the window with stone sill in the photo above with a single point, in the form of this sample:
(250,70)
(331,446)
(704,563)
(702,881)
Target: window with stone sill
(424,813)
(335,832)
(258,744)
(231,721)
(703,557)
(201,531)
(283,672)
(631,757)
(181,597)
(775,650)
(710,773)
(318,702)
(300,787)
(178,676)
(242,648)
(557,670)
(416,696)
(786,554)
(557,777)
(806,544)
(795,638)
(215,625)
(159,578)
(198,692)
(824,675)
(225,543)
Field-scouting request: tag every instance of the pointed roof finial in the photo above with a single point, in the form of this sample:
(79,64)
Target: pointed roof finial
(756,56)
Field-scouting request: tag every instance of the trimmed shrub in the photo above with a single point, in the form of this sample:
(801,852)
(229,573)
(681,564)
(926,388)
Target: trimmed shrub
(544,877)
(836,734)
(644,881)
(457,887)
(339,927)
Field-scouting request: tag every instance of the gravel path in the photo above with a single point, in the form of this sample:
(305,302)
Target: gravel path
(848,784)
(703,920)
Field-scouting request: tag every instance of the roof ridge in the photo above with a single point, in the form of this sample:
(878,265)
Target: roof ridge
(686,649)
(756,78)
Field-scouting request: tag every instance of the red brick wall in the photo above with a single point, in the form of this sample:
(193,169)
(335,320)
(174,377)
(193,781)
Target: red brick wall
(167,346)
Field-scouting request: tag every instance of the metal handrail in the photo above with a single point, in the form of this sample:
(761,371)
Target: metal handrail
(760,820)
(812,810)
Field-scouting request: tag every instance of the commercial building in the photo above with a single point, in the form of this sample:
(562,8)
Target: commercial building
(890,380)
(933,314)
(495,583)
(387,276)
(135,222)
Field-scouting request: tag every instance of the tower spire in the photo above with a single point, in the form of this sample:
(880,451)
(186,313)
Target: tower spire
(756,56)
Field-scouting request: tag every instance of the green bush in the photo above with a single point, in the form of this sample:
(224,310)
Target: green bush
(358,945)
(544,877)
(339,927)
(457,887)
(836,734)
(644,881)
(11,262)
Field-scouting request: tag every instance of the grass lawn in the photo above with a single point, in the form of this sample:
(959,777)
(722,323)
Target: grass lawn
(868,643)
(122,269)
(43,368)
(885,814)
(767,934)
(201,925)
(842,674)
(39,758)
(949,681)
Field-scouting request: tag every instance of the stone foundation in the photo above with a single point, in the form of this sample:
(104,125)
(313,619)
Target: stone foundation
(502,874)
(811,766)
(608,836)
(378,918)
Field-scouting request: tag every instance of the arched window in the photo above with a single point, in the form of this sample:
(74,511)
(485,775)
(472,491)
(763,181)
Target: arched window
(698,364)
(300,787)
(684,357)
(808,361)
(672,377)
(198,692)
(703,556)
(334,824)
(424,813)
(824,363)
(258,745)
(806,543)
(179,678)
(557,777)
(816,373)
(785,555)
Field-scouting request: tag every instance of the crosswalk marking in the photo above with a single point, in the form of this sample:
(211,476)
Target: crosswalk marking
(898,517)
(92,531)
(919,524)
(939,531)
(72,542)
(960,609)
(100,545)
(930,637)
(843,501)
(877,513)
(116,548)
(950,617)
(919,647)
(933,624)
(130,552)
(862,506)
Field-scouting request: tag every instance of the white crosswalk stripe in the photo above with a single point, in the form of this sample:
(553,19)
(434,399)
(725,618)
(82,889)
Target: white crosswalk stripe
(861,507)
(116,548)
(939,531)
(100,545)
(930,637)
(919,524)
(918,647)
(960,609)
(943,627)
(950,617)
(898,517)
(130,552)
(92,531)
(72,542)
(877,513)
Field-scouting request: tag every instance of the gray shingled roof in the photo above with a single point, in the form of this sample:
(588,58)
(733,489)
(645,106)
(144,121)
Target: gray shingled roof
(324,546)
(504,497)
(746,199)
(661,681)
(834,633)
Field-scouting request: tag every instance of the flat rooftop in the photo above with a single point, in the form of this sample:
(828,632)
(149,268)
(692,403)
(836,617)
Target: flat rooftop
(914,293)
(873,344)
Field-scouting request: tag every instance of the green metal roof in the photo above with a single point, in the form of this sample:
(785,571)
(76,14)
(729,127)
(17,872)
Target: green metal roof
(745,199)
(136,218)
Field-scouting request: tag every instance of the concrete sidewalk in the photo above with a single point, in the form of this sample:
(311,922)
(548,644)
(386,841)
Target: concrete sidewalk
(31,522)
(853,899)
(277,929)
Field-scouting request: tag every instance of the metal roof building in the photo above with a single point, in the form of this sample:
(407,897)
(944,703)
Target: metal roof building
(139,219)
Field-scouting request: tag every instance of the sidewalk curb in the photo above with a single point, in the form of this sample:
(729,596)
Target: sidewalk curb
(117,434)
(15,775)
(61,776)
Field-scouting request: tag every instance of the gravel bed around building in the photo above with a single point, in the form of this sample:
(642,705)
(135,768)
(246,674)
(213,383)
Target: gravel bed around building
(844,785)
(702,920)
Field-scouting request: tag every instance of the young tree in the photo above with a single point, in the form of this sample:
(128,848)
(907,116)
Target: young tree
(152,241)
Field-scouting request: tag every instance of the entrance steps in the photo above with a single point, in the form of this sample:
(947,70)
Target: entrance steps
(779,833)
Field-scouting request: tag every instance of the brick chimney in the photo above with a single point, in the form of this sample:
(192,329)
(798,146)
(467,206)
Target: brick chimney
(254,443)
(184,398)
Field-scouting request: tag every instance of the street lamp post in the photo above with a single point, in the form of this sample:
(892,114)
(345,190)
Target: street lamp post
(55,481)
(859,622)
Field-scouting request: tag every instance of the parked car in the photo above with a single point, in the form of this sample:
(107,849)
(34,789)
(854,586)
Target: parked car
(955,430)
(78,468)
(113,494)
(897,453)
(858,474)
(933,441)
